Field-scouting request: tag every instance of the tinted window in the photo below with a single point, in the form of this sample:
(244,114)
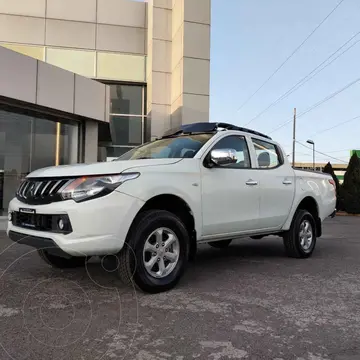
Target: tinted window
(126,130)
(238,143)
(268,154)
(126,99)
(28,143)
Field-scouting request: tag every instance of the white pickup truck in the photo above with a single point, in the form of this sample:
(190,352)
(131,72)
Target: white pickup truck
(150,208)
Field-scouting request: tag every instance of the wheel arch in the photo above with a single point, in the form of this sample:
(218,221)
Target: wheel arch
(310,204)
(179,207)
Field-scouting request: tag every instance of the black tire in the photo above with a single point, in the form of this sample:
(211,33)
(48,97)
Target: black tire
(61,262)
(131,262)
(220,244)
(292,240)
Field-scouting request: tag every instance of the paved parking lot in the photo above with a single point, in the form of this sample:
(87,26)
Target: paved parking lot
(246,302)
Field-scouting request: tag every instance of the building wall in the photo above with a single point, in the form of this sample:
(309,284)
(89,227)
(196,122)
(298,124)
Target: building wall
(32,81)
(178,63)
(48,116)
(103,39)
(164,43)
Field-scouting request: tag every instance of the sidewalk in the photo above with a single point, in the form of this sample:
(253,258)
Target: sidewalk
(343,213)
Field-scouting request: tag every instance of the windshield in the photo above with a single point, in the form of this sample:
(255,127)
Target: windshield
(182,146)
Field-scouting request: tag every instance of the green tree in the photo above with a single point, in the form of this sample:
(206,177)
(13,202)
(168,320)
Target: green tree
(328,169)
(350,189)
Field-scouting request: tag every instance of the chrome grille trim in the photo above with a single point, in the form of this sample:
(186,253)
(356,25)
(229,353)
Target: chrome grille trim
(37,187)
(24,189)
(54,187)
(21,187)
(45,187)
(41,190)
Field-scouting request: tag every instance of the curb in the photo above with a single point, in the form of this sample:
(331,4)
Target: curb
(346,214)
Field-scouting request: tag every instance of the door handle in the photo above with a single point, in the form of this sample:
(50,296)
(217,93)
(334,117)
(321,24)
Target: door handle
(251,182)
(287,182)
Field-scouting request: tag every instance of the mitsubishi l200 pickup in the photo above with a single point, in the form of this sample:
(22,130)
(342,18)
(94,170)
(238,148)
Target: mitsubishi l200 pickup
(151,207)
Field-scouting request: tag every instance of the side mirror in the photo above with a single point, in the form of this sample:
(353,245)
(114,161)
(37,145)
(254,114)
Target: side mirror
(222,157)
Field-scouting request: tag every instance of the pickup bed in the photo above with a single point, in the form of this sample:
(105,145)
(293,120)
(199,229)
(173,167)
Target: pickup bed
(150,208)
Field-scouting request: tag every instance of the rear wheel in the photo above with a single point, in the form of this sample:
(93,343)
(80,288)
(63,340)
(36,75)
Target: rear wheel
(156,252)
(300,240)
(61,262)
(220,244)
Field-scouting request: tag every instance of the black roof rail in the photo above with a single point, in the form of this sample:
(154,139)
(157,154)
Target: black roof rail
(227,126)
(205,127)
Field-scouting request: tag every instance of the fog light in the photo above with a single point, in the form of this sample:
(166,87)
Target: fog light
(10,216)
(61,224)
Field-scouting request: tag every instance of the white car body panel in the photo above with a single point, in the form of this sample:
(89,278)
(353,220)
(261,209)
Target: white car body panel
(277,195)
(224,195)
(316,185)
(222,204)
(181,179)
(99,229)
(112,167)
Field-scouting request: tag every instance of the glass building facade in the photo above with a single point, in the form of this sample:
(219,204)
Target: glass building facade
(28,143)
(127,122)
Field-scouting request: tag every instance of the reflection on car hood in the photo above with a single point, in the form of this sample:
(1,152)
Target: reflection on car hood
(113,167)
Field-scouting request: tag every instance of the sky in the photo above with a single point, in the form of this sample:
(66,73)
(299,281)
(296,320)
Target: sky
(250,39)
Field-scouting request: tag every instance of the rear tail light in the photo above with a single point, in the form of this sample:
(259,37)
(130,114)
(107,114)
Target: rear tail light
(332,182)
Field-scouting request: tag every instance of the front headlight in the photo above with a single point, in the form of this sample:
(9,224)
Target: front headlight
(90,187)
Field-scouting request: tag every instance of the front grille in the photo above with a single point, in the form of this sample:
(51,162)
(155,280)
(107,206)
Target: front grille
(41,191)
(41,222)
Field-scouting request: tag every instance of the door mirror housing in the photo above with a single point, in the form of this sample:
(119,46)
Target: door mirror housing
(221,157)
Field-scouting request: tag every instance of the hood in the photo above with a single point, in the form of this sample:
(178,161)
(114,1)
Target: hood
(102,168)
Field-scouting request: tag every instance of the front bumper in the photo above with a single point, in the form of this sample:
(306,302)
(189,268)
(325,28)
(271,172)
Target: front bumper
(99,226)
(38,243)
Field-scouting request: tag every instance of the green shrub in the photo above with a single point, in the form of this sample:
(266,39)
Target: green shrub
(328,169)
(350,190)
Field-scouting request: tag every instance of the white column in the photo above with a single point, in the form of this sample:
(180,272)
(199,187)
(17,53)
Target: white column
(159,66)
(178,63)
(91,141)
(190,61)
(73,144)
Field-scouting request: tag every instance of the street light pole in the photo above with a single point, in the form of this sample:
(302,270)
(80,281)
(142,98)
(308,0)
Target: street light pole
(311,142)
(314,156)
(294,138)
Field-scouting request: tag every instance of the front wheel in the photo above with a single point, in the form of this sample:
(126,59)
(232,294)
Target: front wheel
(156,252)
(300,240)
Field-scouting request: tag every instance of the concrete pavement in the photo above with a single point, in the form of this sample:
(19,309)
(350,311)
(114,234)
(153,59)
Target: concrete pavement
(245,302)
(3,223)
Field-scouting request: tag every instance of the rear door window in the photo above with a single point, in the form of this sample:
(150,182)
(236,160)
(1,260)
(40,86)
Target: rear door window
(268,155)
